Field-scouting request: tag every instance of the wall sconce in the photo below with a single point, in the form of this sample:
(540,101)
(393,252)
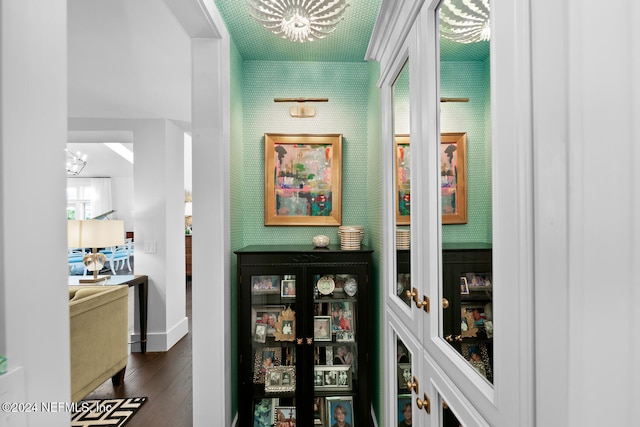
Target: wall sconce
(301,111)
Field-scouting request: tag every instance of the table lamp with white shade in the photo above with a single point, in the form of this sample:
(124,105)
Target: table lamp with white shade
(188,212)
(94,234)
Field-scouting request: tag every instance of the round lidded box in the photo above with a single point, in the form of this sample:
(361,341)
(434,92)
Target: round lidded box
(350,236)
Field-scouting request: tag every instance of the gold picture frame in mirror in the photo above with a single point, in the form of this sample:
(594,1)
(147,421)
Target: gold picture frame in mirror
(453,178)
(403,179)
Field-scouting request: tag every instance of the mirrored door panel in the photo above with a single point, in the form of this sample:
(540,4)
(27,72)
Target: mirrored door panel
(402,183)
(464,152)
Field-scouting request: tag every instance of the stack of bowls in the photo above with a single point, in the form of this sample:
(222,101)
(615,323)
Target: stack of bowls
(403,238)
(350,237)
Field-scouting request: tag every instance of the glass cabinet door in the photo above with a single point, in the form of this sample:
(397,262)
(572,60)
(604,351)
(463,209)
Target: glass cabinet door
(307,336)
(406,383)
(335,335)
(273,322)
(337,340)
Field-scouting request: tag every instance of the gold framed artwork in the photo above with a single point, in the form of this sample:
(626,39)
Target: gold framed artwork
(303,179)
(403,180)
(453,178)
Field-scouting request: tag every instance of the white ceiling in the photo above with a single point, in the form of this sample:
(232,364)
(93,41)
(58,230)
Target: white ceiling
(102,161)
(126,59)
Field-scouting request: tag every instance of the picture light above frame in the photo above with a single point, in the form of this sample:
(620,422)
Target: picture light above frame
(301,111)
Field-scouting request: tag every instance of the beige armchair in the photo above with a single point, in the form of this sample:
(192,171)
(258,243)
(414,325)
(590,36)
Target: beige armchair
(98,327)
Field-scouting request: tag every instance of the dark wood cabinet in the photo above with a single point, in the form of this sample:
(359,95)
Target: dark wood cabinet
(468,287)
(304,335)
(187,252)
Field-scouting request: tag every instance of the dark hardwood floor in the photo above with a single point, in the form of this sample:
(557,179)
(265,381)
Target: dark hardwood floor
(165,378)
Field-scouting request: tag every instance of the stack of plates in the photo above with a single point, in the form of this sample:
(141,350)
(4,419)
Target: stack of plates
(350,237)
(403,238)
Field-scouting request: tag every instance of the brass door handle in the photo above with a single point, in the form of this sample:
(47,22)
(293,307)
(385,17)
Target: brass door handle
(309,341)
(445,303)
(449,338)
(424,404)
(412,294)
(424,304)
(413,385)
(299,341)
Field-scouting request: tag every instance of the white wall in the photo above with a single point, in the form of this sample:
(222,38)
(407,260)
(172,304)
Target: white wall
(158,195)
(34,317)
(122,201)
(34,313)
(586,92)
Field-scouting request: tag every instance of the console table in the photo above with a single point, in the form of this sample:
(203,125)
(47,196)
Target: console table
(142,282)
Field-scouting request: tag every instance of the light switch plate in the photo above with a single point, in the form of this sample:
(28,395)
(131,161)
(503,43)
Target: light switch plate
(150,246)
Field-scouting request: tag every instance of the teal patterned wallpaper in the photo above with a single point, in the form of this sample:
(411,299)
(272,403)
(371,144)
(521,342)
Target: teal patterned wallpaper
(354,111)
(236,150)
(346,86)
(470,80)
(375,234)
(461,79)
(236,207)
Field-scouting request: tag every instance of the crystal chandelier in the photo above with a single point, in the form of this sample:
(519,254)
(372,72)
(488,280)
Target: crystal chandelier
(465,21)
(75,162)
(299,20)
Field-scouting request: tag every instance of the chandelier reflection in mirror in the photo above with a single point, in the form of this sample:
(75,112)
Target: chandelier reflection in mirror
(75,162)
(465,21)
(299,20)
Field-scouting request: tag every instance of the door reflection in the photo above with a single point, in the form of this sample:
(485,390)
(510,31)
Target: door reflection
(402,177)
(466,195)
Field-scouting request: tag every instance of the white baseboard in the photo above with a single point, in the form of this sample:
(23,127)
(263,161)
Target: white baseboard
(12,389)
(162,341)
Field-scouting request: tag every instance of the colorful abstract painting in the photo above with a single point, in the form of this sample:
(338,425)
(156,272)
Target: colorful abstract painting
(302,179)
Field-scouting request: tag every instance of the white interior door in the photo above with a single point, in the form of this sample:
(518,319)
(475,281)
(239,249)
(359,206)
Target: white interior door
(448,376)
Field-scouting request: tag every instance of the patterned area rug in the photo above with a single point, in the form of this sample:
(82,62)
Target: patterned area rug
(106,412)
